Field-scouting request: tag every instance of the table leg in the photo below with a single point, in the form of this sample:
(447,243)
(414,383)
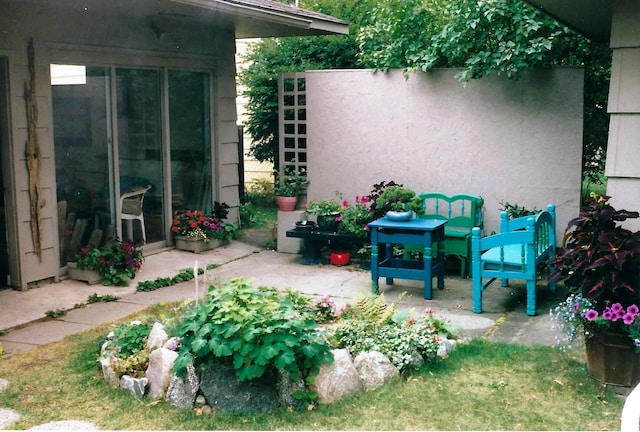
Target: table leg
(388,255)
(311,252)
(441,265)
(426,255)
(374,269)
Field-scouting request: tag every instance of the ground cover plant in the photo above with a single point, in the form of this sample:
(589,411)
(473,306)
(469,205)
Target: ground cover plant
(481,386)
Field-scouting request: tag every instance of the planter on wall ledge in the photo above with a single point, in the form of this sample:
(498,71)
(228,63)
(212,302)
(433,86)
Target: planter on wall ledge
(612,359)
(91,277)
(287,203)
(197,244)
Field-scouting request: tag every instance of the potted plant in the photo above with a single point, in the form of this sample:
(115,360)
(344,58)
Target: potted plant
(399,203)
(355,216)
(196,232)
(289,187)
(600,266)
(116,262)
(327,212)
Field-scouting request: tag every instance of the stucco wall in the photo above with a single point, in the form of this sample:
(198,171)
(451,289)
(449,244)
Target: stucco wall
(508,141)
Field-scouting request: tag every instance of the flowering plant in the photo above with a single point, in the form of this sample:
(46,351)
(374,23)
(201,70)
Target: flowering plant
(579,315)
(194,224)
(117,261)
(354,217)
(600,266)
(325,207)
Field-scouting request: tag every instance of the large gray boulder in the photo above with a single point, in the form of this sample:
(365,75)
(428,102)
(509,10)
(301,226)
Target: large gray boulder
(136,386)
(374,369)
(182,390)
(160,371)
(157,337)
(338,379)
(223,390)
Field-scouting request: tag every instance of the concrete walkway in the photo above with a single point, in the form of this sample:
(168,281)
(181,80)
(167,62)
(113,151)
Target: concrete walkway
(26,325)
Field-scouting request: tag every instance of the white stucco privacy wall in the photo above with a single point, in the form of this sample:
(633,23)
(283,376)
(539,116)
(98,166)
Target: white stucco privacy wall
(508,141)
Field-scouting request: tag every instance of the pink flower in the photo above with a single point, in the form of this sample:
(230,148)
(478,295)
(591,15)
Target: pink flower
(591,315)
(633,309)
(628,318)
(607,314)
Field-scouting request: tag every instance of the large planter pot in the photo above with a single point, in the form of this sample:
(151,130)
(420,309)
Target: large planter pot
(197,244)
(91,277)
(328,223)
(287,203)
(612,359)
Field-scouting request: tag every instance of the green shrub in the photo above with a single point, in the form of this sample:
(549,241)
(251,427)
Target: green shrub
(251,329)
(515,211)
(376,326)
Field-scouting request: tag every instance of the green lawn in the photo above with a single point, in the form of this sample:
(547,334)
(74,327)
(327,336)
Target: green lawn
(480,386)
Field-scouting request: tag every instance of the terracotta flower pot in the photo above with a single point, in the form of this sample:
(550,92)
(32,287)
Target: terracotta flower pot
(287,203)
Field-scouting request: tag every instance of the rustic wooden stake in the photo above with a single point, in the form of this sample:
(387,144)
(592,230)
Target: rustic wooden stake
(32,154)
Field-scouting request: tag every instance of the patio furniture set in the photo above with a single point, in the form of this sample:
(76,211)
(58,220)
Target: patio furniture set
(452,225)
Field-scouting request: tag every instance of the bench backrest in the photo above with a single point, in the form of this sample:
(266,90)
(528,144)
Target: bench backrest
(461,211)
(542,224)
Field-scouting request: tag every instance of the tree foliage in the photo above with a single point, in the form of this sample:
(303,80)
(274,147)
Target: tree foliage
(271,57)
(481,36)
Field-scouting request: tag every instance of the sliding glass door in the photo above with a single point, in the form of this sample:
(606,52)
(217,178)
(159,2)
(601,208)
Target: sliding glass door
(110,129)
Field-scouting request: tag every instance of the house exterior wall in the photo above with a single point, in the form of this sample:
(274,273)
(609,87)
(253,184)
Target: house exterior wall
(622,168)
(84,36)
(508,141)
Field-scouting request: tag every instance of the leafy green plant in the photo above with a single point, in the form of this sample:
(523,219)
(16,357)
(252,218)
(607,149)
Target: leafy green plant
(373,325)
(95,298)
(251,329)
(117,261)
(516,211)
(291,183)
(398,198)
(129,338)
(55,313)
(355,216)
(162,282)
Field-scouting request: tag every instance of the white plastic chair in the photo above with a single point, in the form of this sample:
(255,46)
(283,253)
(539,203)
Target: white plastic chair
(631,412)
(131,209)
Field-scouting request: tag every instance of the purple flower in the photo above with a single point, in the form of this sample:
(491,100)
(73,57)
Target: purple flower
(607,314)
(636,342)
(628,318)
(591,315)
(633,309)
(616,308)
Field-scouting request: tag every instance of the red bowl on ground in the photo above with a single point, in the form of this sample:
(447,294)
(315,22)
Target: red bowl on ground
(340,258)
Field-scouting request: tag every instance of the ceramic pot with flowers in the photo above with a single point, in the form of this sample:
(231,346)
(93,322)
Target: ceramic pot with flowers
(289,186)
(599,264)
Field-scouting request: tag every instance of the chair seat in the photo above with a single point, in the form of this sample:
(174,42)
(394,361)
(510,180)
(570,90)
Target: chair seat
(457,232)
(512,256)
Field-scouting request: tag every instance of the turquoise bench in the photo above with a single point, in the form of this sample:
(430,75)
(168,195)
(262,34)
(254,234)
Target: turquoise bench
(462,212)
(515,253)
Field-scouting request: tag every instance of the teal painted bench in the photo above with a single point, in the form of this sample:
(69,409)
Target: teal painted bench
(515,253)
(462,212)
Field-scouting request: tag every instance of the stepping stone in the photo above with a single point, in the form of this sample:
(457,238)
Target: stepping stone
(7,416)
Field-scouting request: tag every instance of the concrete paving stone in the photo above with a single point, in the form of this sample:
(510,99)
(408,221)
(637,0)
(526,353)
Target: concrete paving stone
(99,313)
(44,332)
(274,269)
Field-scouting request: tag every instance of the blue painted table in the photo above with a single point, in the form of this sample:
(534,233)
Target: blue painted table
(422,232)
